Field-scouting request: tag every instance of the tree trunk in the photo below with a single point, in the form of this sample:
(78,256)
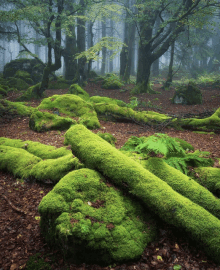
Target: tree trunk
(111,52)
(170,72)
(104,50)
(90,44)
(81,46)
(57,49)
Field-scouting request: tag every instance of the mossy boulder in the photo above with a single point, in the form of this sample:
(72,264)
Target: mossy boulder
(112,81)
(60,83)
(75,89)
(93,222)
(44,121)
(72,106)
(157,195)
(32,66)
(3,92)
(188,94)
(8,108)
(24,75)
(92,74)
(17,83)
(31,93)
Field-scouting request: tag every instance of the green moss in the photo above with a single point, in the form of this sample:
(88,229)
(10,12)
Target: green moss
(94,222)
(24,75)
(17,161)
(209,178)
(44,121)
(143,88)
(209,123)
(40,150)
(183,184)
(73,106)
(26,165)
(18,83)
(3,92)
(14,108)
(108,137)
(156,194)
(117,112)
(75,89)
(107,100)
(111,81)
(59,84)
(35,262)
(30,93)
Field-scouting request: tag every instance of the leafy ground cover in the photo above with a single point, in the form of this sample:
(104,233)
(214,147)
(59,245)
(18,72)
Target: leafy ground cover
(19,224)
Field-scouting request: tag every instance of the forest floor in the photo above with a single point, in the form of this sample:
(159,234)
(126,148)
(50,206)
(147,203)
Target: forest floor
(19,200)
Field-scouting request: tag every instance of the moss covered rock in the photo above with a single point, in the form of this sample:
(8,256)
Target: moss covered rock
(156,194)
(32,66)
(44,121)
(24,75)
(189,95)
(73,106)
(17,83)
(75,89)
(111,81)
(14,109)
(93,222)
(31,93)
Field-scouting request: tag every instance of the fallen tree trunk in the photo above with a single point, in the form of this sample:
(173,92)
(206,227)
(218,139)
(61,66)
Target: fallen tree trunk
(157,195)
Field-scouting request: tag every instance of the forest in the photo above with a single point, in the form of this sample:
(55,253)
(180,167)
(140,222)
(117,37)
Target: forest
(110,134)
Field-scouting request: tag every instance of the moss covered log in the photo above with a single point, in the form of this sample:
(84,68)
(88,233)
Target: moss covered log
(157,195)
(94,222)
(28,166)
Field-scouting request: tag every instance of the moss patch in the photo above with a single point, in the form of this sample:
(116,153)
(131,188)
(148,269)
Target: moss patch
(108,137)
(75,89)
(14,108)
(44,121)
(107,100)
(111,81)
(73,106)
(94,222)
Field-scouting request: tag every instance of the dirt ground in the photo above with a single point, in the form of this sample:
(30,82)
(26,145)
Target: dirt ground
(19,223)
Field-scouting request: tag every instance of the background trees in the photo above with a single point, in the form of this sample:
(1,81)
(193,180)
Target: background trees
(75,35)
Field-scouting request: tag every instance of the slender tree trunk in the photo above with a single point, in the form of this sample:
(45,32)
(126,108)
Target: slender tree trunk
(70,64)
(170,72)
(104,50)
(81,46)
(111,52)
(90,43)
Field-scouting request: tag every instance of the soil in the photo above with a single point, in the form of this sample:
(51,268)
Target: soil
(19,200)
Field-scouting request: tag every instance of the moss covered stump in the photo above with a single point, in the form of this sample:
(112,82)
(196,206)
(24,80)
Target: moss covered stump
(157,195)
(93,222)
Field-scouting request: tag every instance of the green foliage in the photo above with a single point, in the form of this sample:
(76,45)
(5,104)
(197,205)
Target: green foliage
(108,137)
(111,81)
(161,144)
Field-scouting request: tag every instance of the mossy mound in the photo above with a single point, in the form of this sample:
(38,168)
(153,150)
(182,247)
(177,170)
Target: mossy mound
(30,93)
(92,74)
(40,150)
(209,178)
(17,83)
(143,88)
(28,166)
(61,83)
(93,222)
(73,106)
(3,92)
(157,195)
(187,94)
(32,66)
(24,75)
(8,108)
(107,100)
(75,89)
(44,121)
(107,137)
(111,81)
